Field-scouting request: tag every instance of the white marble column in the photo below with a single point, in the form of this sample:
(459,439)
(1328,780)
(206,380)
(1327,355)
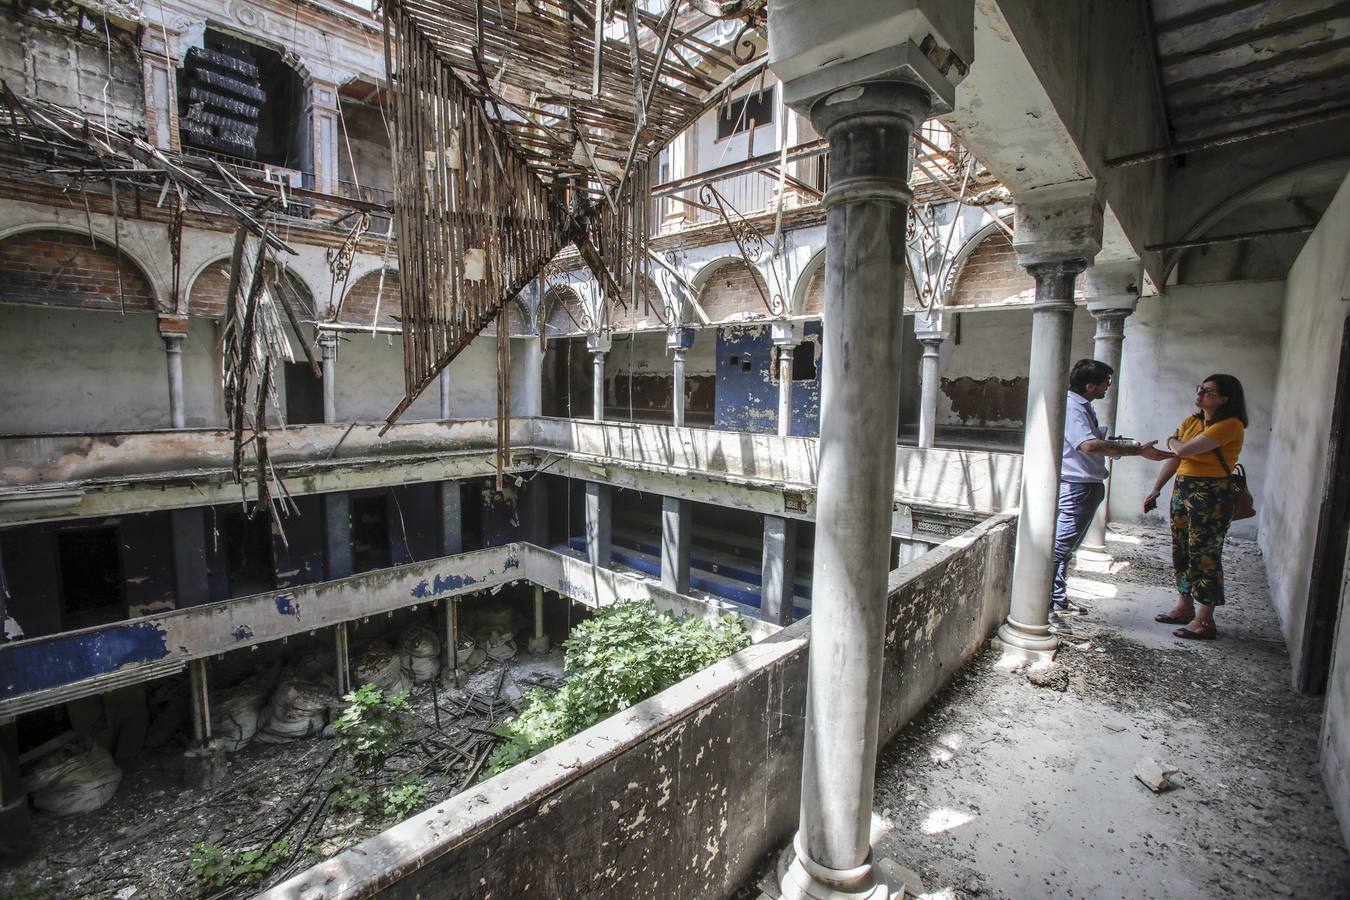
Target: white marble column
(1112,292)
(328,350)
(1055,240)
(678,341)
(928,329)
(786,337)
(598,345)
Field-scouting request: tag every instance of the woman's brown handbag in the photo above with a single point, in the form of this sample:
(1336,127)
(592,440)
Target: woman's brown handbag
(1244,504)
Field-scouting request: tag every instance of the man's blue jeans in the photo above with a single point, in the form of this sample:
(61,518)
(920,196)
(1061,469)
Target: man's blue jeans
(1078,502)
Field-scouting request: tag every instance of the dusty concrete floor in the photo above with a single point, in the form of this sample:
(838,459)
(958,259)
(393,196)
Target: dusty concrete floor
(1009,790)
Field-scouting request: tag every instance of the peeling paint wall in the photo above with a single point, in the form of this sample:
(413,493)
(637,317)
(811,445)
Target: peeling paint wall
(640,366)
(747,391)
(682,795)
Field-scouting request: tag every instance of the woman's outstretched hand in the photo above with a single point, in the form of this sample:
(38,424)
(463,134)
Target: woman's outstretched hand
(1149,451)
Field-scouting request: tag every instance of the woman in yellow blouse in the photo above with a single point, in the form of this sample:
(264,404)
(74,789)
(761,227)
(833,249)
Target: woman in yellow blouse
(1207,446)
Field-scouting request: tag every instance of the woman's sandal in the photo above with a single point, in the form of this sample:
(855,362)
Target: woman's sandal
(1208,634)
(1169,619)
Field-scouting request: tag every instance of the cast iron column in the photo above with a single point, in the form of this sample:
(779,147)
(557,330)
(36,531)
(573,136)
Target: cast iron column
(868,127)
(786,337)
(1028,625)
(678,340)
(328,347)
(928,391)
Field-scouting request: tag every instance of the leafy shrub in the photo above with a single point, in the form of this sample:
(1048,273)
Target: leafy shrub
(211,869)
(624,654)
(404,800)
(371,727)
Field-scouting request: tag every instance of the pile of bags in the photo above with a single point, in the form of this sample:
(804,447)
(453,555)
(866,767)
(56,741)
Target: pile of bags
(76,776)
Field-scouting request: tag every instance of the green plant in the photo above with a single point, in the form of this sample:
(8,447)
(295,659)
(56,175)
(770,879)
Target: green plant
(624,654)
(349,792)
(371,727)
(211,869)
(405,799)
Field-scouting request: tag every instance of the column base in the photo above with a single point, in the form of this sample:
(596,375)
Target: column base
(539,645)
(203,767)
(1093,548)
(1022,643)
(801,879)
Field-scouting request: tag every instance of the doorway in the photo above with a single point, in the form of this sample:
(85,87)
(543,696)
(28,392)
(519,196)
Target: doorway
(1333,527)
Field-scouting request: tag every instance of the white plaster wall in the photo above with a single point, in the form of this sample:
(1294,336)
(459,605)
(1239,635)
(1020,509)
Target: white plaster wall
(1171,342)
(370,381)
(1314,315)
(79,370)
(996,344)
(203,400)
(650,356)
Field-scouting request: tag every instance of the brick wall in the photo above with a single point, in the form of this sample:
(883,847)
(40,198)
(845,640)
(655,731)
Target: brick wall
(564,317)
(359,306)
(61,268)
(206,297)
(815,294)
(991,275)
(730,291)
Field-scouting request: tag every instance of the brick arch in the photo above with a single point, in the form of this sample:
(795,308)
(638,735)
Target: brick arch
(207,294)
(358,307)
(647,311)
(52,267)
(563,305)
(991,275)
(814,296)
(729,292)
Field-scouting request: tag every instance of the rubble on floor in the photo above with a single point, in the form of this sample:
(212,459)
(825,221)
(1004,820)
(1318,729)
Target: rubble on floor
(273,798)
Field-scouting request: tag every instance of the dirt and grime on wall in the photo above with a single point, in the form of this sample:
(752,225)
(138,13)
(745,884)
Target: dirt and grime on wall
(142,844)
(987,401)
(1023,784)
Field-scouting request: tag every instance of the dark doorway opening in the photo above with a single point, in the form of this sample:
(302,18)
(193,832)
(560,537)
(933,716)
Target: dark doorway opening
(1333,527)
(471,514)
(304,395)
(91,577)
(804,361)
(370,532)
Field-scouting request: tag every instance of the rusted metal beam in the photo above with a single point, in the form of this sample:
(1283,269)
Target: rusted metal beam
(1228,238)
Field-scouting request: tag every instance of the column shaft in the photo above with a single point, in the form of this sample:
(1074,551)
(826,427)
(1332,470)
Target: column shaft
(200,703)
(677,389)
(445,392)
(928,393)
(868,128)
(173,355)
(598,387)
(342,655)
(328,348)
(337,535)
(1106,347)
(1033,568)
(190,577)
(676,531)
(599,524)
(778,571)
(784,391)
(452,523)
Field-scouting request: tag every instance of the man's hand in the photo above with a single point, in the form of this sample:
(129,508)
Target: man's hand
(1150,451)
(1151,502)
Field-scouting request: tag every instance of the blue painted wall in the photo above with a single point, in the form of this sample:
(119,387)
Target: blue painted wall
(747,395)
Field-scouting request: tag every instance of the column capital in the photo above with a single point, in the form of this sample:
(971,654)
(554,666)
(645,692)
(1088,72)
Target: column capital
(786,334)
(1111,289)
(1051,228)
(172,327)
(679,338)
(328,341)
(930,327)
(818,48)
(599,343)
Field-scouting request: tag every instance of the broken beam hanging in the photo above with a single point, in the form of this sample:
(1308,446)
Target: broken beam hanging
(475,225)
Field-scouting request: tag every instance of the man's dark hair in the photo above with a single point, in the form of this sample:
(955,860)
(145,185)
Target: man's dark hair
(1088,371)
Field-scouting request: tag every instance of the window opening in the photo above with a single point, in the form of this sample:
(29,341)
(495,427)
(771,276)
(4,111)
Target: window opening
(804,361)
(744,113)
(242,100)
(91,577)
(370,532)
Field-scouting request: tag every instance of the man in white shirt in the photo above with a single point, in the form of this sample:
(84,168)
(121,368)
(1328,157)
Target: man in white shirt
(1082,478)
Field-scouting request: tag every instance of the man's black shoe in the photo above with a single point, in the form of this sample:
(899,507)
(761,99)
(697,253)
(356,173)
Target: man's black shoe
(1058,625)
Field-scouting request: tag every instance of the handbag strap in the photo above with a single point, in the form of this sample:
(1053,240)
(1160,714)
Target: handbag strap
(1223,462)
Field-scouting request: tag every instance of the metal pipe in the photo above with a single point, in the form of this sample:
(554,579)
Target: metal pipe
(343,654)
(1232,137)
(173,354)
(677,389)
(201,702)
(1228,238)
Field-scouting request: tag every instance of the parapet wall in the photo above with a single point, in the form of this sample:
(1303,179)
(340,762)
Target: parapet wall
(684,794)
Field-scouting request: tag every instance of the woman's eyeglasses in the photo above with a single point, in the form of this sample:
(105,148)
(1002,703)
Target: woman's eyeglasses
(1205,391)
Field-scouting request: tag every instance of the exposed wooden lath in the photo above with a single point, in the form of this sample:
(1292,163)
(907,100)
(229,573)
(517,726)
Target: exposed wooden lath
(475,225)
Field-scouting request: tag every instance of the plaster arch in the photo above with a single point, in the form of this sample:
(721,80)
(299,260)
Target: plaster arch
(969,246)
(108,241)
(813,265)
(1337,162)
(703,279)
